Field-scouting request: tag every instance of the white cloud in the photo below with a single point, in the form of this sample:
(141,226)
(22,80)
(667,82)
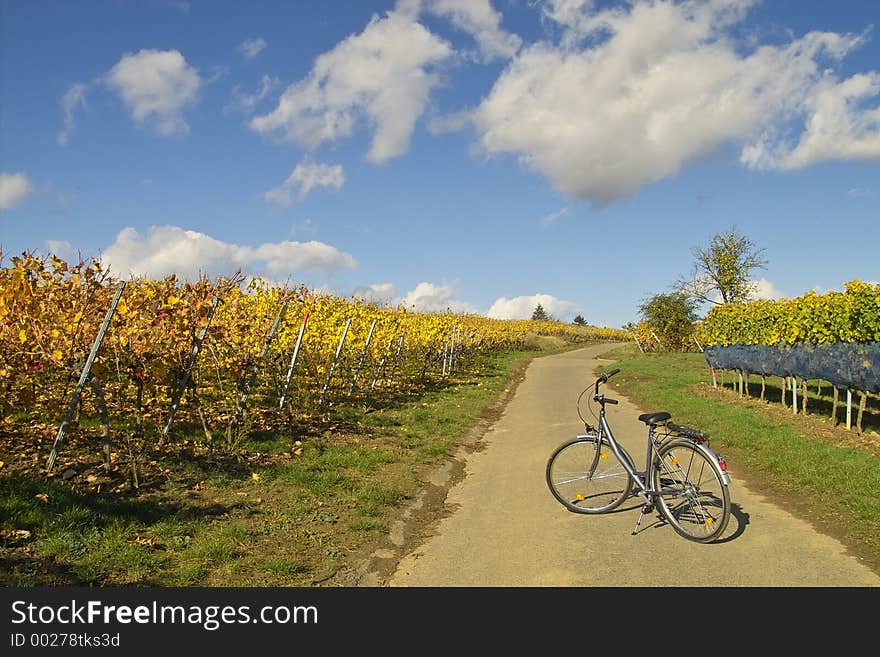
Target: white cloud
(764,289)
(379,75)
(837,127)
(630,96)
(170,249)
(479,19)
(61,249)
(427,297)
(73,98)
(306,177)
(522,307)
(250,48)
(14,187)
(156,86)
(379,293)
(553,216)
(249,102)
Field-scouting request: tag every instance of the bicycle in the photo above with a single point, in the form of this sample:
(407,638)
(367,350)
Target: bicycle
(683,477)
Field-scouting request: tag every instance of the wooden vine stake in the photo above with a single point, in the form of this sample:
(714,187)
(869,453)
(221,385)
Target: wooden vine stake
(184,382)
(834,403)
(862,403)
(299,339)
(83,378)
(634,337)
(657,339)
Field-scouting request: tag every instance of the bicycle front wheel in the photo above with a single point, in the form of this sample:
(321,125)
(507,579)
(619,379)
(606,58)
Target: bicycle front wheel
(585,476)
(693,498)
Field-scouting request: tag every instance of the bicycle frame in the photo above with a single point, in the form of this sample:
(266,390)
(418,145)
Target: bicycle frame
(641,480)
(606,434)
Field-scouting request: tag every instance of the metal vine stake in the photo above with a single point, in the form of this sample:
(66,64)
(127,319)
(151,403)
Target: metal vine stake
(184,382)
(333,363)
(83,378)
(362,357)
(299,339)
(257,365)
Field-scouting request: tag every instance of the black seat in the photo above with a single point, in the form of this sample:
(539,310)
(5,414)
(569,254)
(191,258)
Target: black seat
(654,418)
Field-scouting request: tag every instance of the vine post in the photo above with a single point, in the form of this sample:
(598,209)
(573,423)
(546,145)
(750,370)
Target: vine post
(83,378)
(361,358)
(258,364)
(333,362)
(184,382)
(299,339)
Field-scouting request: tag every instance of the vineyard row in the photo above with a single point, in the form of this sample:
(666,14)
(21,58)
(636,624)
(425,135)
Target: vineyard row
(216,349)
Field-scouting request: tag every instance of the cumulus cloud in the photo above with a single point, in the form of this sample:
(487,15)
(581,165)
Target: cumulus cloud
(838,127)
(380,75)
(522,307)
(764,289)
(170,249)
(14,187)
(74,97)
(631,95)
(250,48)
(428,297)
(304,178)
(156,86)
(475,17)
(379,293)
(249,102)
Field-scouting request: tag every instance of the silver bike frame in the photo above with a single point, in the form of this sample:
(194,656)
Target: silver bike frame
(605,430)
(605,434)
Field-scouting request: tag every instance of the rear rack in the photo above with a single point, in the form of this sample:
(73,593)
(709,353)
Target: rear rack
(670,429)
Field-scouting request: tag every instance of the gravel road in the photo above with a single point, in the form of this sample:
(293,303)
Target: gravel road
(502,527)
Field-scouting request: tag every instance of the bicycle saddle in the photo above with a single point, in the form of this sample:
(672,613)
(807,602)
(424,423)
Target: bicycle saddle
(654,418)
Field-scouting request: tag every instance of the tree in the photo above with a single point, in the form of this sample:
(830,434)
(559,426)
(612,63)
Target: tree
(671,317)
(540,314)
(723,269)
(579,320)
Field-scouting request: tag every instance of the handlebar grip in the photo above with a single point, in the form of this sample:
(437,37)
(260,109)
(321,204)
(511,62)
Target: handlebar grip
(604,378)
(610,401)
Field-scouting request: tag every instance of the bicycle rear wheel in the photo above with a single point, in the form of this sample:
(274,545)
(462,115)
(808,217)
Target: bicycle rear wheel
(694,498)
(585,477)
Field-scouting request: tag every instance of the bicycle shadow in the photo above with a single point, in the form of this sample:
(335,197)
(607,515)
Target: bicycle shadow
(739,520)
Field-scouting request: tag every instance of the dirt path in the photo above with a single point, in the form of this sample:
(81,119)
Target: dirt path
(502,527)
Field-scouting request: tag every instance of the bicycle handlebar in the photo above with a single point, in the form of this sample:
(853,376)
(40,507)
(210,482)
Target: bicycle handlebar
(604,379)
(608,375)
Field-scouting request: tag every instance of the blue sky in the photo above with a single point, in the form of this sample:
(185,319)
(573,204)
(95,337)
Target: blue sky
(481,156)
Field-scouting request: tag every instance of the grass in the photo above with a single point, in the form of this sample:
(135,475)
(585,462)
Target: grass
(291,507)
(296,506)
(820,471)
